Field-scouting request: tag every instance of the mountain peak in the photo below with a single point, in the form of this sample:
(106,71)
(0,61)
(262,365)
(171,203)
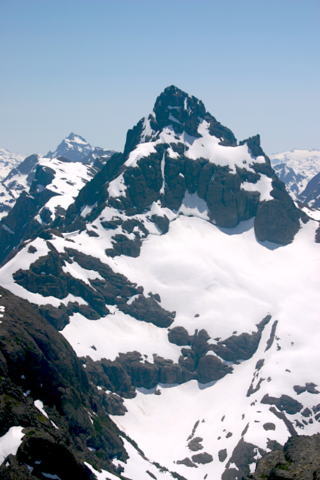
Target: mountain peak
(181,113)
(74,148)
(76,138)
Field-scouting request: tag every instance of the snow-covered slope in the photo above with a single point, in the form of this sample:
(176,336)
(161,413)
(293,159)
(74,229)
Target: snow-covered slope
(296,168)
(186,279)
(18,179)
(55,183)
(8,161)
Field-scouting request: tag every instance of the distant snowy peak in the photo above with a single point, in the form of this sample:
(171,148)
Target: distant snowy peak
(8,161)
(74,148)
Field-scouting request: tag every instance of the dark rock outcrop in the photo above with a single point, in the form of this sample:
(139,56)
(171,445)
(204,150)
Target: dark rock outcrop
(202,458)
(240,347)
(187,110)
(122,245)
(242,456)
(283,403)
(309,387)
(222,454)
(299,459)
(47,277)
(195,444)
(149,310)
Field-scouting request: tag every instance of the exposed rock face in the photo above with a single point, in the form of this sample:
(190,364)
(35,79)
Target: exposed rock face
(149,310)
(36,359)
(278,219)
(299,459)
(129,370)
(242,456)
(166,174)
(240,347)
(47,277)
(284,403)
(235,348)
(202,458)
(188,118)
(309,387)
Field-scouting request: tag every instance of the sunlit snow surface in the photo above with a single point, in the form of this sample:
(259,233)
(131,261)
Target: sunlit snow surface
(232,282)
(10,442)
(69,178)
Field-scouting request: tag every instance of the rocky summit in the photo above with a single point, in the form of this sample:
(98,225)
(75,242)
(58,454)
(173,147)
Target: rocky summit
(159,311)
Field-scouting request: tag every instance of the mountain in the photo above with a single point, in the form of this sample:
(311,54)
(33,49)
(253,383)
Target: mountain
(73,148)
(183,281)
(8,161)
(296,168)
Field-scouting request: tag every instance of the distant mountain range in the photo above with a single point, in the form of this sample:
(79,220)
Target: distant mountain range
(159,309)
(299,170)
(8,161)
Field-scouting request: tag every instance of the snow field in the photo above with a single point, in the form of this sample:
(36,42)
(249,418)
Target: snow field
(10,442)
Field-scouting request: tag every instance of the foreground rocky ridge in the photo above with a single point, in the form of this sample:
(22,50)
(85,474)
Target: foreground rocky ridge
(298,460)
(38,364)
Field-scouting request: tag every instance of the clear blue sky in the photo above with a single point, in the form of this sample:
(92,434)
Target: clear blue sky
(95,67)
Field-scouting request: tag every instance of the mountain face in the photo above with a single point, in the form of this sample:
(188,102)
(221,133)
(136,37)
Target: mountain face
(179,154)
(53,185)
(184,278)
(19,179)
(296,168)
